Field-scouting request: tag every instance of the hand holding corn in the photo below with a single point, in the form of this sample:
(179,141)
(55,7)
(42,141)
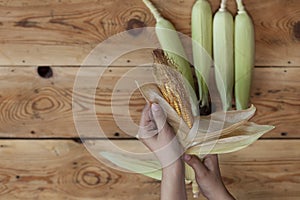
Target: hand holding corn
(208,176)
(159,137)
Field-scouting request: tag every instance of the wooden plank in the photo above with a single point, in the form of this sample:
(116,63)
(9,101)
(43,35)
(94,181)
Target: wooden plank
(64,32)
(32,106)
(276,94)
(268,166)
(63,169)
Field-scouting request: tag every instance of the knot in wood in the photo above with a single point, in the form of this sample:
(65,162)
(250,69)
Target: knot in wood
(296,30)
(45,71)
(43,104)
(134,26)
(93,176)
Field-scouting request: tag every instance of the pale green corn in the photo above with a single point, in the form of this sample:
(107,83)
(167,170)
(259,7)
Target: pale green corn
(202,47)
(244,56)
(171,43)
(223,54)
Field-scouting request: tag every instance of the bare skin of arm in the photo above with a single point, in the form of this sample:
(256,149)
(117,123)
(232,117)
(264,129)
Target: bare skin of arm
(159,137)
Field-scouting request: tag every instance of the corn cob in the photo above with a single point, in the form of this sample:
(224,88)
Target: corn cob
(171,44)
(223,54)
(172,86)
(202,47)
(244,56)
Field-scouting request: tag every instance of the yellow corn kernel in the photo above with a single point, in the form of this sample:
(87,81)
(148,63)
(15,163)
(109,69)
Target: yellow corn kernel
(171,85)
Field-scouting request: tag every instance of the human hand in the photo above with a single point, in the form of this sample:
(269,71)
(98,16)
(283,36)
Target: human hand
(208,177)
(158,135)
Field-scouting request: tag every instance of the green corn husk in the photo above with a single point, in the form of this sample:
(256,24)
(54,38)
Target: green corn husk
(171,44)
(202,47)
(244,56)
(223,54)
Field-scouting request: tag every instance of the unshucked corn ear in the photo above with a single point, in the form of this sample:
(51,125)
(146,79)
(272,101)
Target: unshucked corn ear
(202,47)
(202,52)
(171,43)
(244,56)
(207,136)
(223,54)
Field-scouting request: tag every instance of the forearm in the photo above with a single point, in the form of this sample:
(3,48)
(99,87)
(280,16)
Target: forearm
(172,184)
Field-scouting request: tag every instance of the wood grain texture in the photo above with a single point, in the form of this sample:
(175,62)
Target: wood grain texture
(64,32)
(32,106)
(276,94)
(273,160)
(63,169)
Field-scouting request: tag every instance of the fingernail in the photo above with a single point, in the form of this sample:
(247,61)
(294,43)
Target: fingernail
(187,157)
(155,107)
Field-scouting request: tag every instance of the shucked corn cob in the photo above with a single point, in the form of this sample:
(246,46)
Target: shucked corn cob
(202,47)
(171,44)
(223,54)
(172,86)
(244,56)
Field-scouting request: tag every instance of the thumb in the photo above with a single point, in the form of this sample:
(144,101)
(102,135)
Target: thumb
(196,164)
(159,116)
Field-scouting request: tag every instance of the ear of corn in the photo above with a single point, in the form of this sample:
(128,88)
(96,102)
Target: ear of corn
(202,51)
(171,44)
(244,56)
(202,47)
(172,86)
(152,94)
(237,134)
(223,54)
(173,91)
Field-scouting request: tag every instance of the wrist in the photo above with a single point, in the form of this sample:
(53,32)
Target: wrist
(224,195)
(228,196)
(175,168)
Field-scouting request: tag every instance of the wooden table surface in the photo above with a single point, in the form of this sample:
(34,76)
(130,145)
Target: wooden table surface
(41,156)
